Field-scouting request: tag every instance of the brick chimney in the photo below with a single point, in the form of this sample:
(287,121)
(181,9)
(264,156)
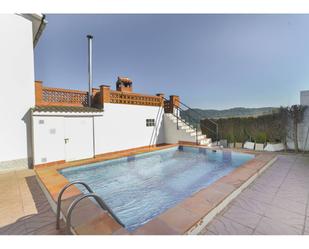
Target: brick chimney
(124,84)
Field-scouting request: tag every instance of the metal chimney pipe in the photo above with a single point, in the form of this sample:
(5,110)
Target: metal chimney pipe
(90,37)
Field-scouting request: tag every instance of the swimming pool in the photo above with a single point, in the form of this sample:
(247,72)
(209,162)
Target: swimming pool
(138,188)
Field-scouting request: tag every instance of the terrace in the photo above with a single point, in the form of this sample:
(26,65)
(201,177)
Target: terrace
(276,202)
(266,194)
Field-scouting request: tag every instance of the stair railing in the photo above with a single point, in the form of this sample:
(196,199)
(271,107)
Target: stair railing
(190,120)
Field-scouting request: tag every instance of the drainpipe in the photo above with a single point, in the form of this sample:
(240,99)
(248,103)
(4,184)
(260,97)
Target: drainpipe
(90,37)
(40,30)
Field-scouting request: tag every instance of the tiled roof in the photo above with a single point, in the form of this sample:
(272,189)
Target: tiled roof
(65,109)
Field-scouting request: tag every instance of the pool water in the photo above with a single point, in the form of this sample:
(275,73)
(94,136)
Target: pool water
(138,188)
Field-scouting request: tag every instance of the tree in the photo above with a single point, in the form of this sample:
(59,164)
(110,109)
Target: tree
(282,125)
(296,113)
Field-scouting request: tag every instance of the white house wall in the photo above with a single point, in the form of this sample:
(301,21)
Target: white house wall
(17,90)
(174,135)
(304,126)
(123,127)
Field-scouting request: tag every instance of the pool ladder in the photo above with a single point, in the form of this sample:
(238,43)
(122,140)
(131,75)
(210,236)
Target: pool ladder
(98,199)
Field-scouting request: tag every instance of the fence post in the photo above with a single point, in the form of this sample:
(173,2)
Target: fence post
(162,98)
(104,95)
(38,87)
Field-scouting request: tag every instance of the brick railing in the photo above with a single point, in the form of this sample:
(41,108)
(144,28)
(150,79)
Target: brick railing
(117,97)
(47,96)
(171,103)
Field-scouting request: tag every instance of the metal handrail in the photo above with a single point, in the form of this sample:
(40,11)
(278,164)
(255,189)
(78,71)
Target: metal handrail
(201,115)
(197,123)
(60,198)
(102,204)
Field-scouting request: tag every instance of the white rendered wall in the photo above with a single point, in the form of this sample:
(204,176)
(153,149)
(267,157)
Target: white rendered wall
(304,126)
(173,135)
(17,88)
(123,127)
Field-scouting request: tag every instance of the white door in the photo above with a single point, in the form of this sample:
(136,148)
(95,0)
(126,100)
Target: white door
(78,136)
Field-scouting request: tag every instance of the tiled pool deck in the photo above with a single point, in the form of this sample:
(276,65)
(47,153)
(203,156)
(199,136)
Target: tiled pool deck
(24,209)
(276,203)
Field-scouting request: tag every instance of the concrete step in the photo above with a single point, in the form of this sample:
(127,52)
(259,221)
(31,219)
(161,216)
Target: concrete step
(206,141)
(200,137)
(193,132)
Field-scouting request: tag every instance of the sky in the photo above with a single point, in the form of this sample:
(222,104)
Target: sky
(212,61)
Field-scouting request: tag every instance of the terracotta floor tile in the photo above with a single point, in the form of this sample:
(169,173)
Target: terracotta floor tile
(122,231)
(179,219)
(254,164)
(212,196)
(155,227)
(243,173)
(8,219)
(196,205)
(223,187)
(29,209)
(85,213)
(99,226)
(232,180)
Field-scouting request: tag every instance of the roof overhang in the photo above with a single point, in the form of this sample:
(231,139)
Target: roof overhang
(66,111)
(38,24)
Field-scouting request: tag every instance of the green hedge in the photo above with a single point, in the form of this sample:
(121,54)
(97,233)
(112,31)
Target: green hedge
(262,129)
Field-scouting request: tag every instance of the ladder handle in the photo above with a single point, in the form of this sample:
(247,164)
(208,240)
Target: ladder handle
(60,198)
(102,204)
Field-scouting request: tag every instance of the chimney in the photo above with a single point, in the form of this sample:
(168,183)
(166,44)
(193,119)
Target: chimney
(124,84)
(89,37)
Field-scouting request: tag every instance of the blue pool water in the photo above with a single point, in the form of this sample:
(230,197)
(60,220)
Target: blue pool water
(138,188)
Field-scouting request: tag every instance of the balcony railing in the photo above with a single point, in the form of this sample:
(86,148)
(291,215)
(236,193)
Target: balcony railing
(47,96)
(117,97)
(63,96)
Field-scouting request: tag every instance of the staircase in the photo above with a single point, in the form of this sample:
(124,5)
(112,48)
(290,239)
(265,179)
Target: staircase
(183,123)
(185,132)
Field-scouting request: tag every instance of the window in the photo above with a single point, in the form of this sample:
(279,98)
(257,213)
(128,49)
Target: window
(150,122)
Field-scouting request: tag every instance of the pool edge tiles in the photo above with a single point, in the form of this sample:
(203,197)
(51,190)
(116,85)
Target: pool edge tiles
(192,214)
(187,214)
(139,189)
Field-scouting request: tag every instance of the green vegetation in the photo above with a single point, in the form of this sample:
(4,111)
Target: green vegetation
(273,127)
(234,112)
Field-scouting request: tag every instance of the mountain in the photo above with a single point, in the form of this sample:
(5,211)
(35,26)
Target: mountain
(233,112)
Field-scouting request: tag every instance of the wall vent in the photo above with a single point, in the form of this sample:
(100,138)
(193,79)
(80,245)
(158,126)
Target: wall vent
(41,121)
(52,131)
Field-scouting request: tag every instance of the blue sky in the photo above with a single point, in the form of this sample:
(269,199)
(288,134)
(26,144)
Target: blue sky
(211,61)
